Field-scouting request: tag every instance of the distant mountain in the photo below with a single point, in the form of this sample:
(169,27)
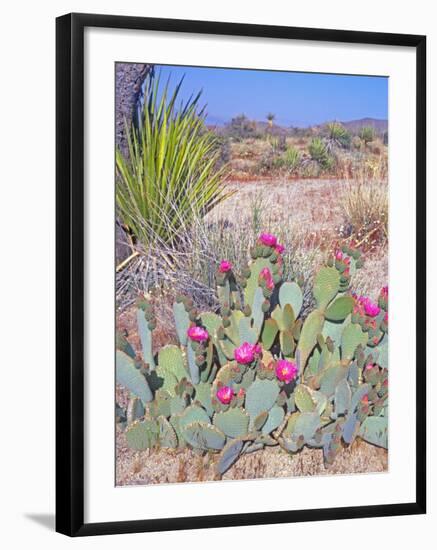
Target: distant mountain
(354,126)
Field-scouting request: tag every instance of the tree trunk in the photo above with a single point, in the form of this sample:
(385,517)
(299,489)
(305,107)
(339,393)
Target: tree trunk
(129,78)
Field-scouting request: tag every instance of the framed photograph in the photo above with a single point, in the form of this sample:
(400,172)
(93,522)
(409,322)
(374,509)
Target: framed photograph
(235,205)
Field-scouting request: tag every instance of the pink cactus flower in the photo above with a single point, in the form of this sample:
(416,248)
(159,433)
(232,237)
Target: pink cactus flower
(225,266)
(384,292)
(257,349)
(369,366)
(286,371)
(225,394)
(338,255)
(279,248)
(370,308)
(268,239)
(241,392)
(364,305)
(245,354)
(267,276)
(197,334)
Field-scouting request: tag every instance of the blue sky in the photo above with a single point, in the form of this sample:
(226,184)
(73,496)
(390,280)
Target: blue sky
(297,99)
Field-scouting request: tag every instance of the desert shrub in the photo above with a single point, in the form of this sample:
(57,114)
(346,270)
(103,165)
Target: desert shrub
(241,128)
(290,160)
(224,146)
(365,207)
(367,134)
(385,138)
(190,268)
(170,170)
(256,371)
(357,143)
(336,136)
(278,143)
(269,161)
(375,148)
(320,154)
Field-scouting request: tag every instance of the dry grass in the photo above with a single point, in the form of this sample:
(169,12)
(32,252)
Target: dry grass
(259,159)
(307,215)
(365,206)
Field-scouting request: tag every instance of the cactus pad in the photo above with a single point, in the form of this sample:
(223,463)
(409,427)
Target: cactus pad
(171,359)
(261,396)
(203,395)
(193,413)
(167,435)
(233,422)
(290,293)
(340,308)
(326,285)
(312,326)
(131,378)
(374,429)
(269,333)
(182,322)
(201,435)
(352,337)
(275,418)
(145,337)
(342,397)
(229,455)
(142,434)
(135,410)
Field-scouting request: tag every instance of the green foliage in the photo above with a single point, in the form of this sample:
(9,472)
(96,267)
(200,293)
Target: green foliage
(198,395)
(340,308)
(169,173)
(367,134)
(320,154)
(233,422)
(337,136)
(241,128)
(143,434)
(129,376)
(290,160)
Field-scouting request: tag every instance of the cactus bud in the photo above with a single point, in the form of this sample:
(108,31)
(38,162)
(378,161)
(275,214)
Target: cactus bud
(267,293)
(226,322)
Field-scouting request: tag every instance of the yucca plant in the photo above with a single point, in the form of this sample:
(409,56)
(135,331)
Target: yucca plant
(367,134)
(292,159)
(320,154)
(270,117)
(170,170)
(336,136)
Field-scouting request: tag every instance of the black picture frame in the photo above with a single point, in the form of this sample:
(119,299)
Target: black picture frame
(70,272)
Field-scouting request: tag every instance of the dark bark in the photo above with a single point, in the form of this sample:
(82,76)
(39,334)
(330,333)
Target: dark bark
(129,78)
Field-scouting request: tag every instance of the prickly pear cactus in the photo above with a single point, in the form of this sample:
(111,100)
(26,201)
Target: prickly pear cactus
(257,372)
